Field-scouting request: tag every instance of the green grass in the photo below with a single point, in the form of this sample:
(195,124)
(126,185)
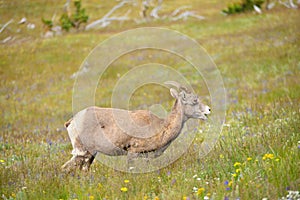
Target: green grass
(257,55)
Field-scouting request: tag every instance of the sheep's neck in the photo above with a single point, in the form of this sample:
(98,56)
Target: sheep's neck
(172,126)
(170,130)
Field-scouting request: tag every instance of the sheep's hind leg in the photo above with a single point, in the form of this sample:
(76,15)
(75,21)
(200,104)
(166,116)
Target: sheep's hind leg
(70,165)
(88,160)
(79,162)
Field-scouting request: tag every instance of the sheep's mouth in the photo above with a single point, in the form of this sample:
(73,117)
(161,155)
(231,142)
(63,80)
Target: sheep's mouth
(203,117)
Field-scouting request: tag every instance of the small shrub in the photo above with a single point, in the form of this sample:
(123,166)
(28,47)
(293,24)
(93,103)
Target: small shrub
(244,6)
(233,8)
(67,22)
(48,23)
(79,16)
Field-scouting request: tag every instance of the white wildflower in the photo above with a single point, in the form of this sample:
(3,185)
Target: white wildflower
(195,189)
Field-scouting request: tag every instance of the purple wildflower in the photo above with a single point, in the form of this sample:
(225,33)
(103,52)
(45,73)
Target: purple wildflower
(173,181)
(49,142)
(226,182)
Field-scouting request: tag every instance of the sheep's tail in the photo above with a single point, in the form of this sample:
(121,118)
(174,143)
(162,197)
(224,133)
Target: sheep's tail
(68,123)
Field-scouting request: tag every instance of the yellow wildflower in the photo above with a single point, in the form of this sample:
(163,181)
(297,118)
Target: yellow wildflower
(234,175)
(208,194)
(277,159)
(2,161)
(91,197)
(13,195)
(126,181)
(236,164)
(124,189)
(200,191)
(238,170)
(230,183)
(184,198)
(268,156)
(145,197)
(156,198)
(249,159)
(221,156)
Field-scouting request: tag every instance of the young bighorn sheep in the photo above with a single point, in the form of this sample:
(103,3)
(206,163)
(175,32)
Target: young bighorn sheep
(114,131)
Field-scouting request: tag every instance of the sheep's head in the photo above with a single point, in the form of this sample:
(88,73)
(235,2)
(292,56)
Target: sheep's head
(192,105)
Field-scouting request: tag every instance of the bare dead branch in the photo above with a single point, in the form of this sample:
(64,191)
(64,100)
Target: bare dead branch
(289,4)
(146,4)
(178,10)
(106,19)
(5,25)
(67,6)
(292,4)
(154,12)
(186,15)
(53,17)
(7,39)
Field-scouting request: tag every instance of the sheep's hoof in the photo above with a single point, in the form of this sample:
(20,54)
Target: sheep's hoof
(88,160)
(79,162)
(73,164)
(69,166)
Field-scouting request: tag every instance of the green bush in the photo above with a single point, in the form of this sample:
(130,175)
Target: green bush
(79,16)
(67,22)
(244,6)
(48,23)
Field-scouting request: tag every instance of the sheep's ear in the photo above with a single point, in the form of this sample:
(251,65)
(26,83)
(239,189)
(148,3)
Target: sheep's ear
(174,93)
(183,95)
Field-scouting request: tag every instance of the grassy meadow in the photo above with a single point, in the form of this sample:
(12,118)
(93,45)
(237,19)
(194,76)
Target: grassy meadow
(256,156)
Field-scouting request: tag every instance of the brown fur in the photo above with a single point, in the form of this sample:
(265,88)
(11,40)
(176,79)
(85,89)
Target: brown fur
(67,123)
(116,132)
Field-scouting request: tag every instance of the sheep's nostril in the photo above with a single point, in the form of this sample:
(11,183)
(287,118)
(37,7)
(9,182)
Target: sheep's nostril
(209,109)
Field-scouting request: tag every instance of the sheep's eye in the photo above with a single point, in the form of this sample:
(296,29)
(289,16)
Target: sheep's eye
(195,101)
